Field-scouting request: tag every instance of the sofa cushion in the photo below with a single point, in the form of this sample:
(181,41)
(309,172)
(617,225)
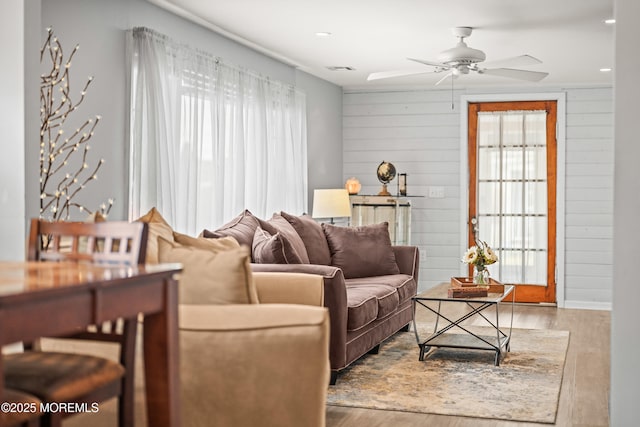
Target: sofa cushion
(386,296)
(311,234)
(362,308)
(217,275)
(157,227)
(273,248)
(403,283)
(361,251)
(368,302)
(288,232)
(242,228)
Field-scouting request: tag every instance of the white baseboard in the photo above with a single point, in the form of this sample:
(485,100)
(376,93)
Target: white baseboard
(588,305)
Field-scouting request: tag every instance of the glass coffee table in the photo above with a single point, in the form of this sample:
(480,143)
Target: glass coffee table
(443,335)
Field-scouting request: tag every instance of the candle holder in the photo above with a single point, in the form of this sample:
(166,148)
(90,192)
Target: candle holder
(402,184)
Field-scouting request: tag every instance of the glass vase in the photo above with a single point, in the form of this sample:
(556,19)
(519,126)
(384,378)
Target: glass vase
(480,275)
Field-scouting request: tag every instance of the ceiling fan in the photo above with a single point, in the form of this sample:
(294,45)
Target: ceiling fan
(462,59)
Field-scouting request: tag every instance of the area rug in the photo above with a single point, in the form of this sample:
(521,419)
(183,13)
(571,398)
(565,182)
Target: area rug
(525,387)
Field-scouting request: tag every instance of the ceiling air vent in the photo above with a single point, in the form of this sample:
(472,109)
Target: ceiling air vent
(340,68)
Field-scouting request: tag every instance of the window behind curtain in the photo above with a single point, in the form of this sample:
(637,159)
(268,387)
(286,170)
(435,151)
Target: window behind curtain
(209,139)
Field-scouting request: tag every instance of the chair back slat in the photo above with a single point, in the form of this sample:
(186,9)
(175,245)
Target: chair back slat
(115,242)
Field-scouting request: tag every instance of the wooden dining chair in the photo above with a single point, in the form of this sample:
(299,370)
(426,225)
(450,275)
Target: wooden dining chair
(77,378)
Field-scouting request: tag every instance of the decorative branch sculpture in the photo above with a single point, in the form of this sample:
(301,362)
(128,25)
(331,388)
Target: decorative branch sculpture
(61,181)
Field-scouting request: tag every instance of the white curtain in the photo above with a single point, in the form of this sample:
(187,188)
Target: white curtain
(208,139)
(512,193)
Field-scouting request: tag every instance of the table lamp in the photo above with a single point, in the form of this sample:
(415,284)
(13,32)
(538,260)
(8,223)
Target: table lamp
(331,203)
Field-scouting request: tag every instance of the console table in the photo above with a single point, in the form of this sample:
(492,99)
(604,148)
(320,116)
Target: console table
(396,210)
(49,298)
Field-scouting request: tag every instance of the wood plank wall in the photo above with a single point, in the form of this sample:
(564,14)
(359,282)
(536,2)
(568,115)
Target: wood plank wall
(419,132)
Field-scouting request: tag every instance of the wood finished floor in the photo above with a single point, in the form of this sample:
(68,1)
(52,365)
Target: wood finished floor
(583,398)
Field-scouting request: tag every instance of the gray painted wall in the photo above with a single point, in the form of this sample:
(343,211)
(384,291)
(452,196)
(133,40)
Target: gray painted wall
(325,158)
(12,85)
(625,339)
(99,27)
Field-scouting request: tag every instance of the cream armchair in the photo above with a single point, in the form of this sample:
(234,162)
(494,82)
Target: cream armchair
(261,364)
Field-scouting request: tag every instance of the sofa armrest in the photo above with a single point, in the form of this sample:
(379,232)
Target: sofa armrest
(408,260)
(335,299)
(254,364)
(289,288)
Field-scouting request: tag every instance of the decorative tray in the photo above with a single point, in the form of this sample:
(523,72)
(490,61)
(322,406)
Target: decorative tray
(494,286)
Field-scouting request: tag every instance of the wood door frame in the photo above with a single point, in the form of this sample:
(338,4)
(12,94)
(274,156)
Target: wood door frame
(560,99)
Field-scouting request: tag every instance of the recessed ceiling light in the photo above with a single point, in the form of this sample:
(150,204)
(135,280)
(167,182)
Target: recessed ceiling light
(605,70)
(610,21)
(323,34)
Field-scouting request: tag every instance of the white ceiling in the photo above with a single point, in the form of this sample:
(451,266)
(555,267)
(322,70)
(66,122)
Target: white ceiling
(568,36)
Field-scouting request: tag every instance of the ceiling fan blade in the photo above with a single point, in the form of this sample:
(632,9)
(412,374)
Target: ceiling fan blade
(532,76)
(396,73)
(446,76)
(516,61)
(431,63)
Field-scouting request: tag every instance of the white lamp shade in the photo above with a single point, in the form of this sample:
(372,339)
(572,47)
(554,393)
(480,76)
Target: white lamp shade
(331,203)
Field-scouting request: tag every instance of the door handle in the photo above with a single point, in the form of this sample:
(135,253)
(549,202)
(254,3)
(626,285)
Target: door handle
(474,228)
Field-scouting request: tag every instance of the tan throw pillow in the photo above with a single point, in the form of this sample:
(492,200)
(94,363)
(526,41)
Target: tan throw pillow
(273,249)
(206,243)
(211,276)
(158,227)
(241,228)
(311,234)
(363,251)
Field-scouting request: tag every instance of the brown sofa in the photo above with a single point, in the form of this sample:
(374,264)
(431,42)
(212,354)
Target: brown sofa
(368,283)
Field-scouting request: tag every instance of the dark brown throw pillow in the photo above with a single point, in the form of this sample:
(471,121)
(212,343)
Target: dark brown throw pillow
(363,251)
(273,249)
(315,242)
(242,228)
(288,232)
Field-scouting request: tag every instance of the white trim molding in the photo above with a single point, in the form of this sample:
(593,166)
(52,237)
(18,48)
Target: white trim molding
(588,305)
(560,98)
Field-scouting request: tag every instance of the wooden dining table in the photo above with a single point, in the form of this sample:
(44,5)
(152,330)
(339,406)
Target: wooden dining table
(53,299)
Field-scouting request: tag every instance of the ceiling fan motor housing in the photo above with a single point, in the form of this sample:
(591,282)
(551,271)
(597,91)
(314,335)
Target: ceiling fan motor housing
(461,55)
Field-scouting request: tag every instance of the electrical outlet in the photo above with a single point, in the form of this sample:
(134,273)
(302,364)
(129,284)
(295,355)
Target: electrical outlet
(436,192)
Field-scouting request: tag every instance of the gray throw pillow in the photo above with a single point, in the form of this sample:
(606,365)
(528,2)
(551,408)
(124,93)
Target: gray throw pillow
(242,228)
(273,249)
(314,239)
(363,251)
(287,231)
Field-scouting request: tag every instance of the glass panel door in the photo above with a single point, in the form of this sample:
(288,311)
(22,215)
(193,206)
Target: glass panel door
(510,193)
